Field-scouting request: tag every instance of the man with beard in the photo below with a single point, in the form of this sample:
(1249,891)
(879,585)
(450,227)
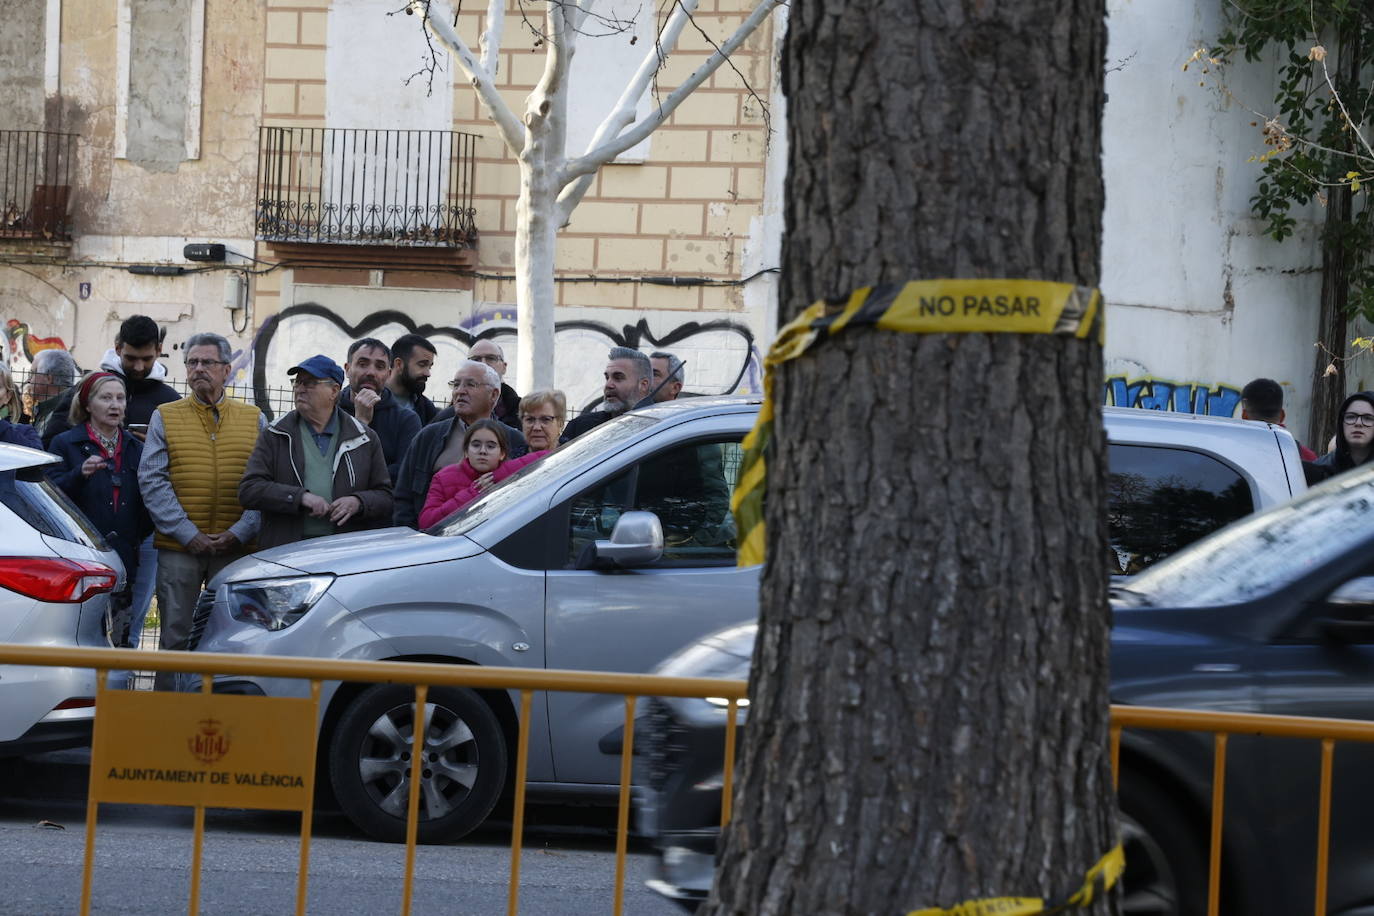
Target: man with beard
(412,360)
(368,398)
(628,381)
(193,458)
(134,359)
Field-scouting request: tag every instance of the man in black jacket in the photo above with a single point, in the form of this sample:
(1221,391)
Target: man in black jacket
(412,360)
(134,359)
(629,377)
(369,399)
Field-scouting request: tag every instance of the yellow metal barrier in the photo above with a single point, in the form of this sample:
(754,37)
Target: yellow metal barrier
(1223,724)
(421,674)
(425,675)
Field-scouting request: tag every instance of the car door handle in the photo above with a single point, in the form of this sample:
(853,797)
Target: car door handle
(1216,668)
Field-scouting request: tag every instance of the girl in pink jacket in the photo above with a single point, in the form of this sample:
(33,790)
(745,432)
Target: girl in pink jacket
(484,463)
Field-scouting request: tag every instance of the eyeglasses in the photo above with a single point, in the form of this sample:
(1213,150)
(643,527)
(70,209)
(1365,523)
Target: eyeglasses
(467,383)
(487,358)
(305,381)
(1358,419)
(204,363)
(537,421)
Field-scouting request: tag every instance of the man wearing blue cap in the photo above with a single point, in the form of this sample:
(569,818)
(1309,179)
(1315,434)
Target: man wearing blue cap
(317,470)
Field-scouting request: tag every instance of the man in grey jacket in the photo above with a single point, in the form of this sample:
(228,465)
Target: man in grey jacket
(316,470)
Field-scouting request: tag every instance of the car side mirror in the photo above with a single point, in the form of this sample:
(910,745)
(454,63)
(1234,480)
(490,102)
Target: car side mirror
(636,540)
(1349,613)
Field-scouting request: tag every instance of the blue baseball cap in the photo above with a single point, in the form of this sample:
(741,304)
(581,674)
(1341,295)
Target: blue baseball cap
(321,367)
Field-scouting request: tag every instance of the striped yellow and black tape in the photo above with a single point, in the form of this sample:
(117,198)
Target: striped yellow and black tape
(1096,883)
(918,307)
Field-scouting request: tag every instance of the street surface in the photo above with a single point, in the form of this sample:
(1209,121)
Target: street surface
(143,857)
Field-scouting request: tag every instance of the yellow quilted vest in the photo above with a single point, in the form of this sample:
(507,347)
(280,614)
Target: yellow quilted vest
(206,460)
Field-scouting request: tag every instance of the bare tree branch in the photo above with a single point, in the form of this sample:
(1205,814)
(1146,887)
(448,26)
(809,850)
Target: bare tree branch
(490,43)
(609,142)
(482,78)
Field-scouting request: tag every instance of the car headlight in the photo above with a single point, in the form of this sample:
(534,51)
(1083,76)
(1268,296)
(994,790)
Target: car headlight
(275,604)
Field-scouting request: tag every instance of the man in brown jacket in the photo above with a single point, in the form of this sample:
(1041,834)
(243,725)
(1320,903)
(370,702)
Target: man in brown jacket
(317,470)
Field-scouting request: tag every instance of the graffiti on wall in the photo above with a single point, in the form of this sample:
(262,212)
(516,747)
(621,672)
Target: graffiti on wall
(721,355)
(23,343)
(1182,397)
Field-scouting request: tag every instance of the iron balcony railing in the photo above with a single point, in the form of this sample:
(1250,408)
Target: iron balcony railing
(366,187)
(35,184)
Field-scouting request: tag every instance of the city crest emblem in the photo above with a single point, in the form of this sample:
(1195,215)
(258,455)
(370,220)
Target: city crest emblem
(210,743)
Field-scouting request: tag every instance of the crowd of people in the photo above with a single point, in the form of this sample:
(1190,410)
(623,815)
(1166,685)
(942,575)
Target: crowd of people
(182,486)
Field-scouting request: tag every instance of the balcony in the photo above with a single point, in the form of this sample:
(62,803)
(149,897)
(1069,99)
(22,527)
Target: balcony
(35,184)
(398,188)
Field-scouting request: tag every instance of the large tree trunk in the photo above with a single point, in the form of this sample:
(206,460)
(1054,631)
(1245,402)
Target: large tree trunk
(929,718)
(536,238)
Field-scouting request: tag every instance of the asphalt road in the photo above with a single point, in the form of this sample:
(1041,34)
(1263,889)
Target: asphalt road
(143,860)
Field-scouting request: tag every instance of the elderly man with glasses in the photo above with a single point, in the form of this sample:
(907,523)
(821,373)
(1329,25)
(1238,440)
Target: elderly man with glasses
(316,470)
(193,458)
(507,408)
(476,388)
(52,374)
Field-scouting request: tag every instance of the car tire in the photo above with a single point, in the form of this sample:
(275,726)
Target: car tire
(1166,861)
(370,759)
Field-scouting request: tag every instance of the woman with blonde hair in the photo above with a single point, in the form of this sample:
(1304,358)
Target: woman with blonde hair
(543,415)
(12,429)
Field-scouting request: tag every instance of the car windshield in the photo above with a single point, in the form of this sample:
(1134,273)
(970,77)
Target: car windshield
(1265,552)
(530,479)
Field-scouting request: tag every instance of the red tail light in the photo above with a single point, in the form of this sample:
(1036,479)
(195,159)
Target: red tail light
(52,579)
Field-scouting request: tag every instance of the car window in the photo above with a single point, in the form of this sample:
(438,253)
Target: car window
(29,494)
(1160,500)
(1261,554)
(532,478)
(688,487)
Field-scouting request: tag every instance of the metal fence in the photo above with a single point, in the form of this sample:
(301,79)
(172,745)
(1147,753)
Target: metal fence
(108,734)
(525,683)
(35,184)
(366,187)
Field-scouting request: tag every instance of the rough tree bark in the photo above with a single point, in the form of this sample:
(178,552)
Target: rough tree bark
(929,713)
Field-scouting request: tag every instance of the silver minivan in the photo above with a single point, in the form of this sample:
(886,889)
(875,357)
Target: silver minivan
(610,554)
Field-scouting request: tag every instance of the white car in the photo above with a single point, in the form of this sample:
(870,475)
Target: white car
(56,576)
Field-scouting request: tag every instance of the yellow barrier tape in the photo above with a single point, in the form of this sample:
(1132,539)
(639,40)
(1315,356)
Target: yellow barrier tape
(918,307)
(1096,883)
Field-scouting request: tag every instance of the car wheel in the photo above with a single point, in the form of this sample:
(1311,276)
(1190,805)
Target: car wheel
(1166,863)
(464,768)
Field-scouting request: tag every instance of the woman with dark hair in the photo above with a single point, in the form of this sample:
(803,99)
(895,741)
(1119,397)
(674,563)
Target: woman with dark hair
(99,471)
(485,447)
(1354,439)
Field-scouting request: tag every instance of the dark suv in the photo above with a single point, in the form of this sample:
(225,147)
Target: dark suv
(1272,614)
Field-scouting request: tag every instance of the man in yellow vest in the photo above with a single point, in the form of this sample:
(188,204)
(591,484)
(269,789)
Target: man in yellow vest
(193,458)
